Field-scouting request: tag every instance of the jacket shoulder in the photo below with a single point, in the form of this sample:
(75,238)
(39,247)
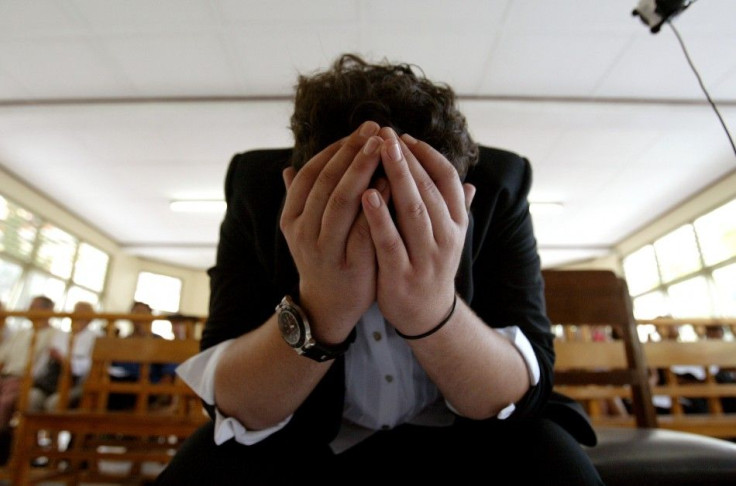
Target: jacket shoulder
(256,169)
(498,167)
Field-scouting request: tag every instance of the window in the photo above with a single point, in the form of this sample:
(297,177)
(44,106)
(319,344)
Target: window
(688,272)
(9,276)
(40,283)
(690,298)
(163,294)
(652,305)
(40,258)
(18,229)
(725,284)
(641,270)
(56,250)
(677,253)
(717,232)
(91,267)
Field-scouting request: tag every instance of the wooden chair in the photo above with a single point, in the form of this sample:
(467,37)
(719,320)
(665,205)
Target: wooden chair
(634,450)
(128,446)
(590,370)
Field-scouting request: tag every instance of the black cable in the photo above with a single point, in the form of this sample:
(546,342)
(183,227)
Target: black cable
(702,86)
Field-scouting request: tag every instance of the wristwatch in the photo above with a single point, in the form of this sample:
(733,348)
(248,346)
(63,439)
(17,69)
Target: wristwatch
(295,330)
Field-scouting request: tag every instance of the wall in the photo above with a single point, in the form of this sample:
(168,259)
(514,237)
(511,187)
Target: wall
(124,268)
(717,194)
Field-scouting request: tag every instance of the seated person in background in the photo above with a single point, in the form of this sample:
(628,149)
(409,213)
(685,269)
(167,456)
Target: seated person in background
(141,327)
(722,375)
(685,374)
(121,371)
(14,358)
(83,338)
(182,325)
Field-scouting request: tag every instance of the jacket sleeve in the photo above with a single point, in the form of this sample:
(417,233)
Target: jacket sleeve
(243,290)
(507,285)
(254,270)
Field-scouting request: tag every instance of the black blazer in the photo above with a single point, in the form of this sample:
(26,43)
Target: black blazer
(499,275)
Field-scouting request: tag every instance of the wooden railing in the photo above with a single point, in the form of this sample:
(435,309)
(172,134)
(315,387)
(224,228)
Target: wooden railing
(114,322)
(701,401)
(697,378)
(89,423)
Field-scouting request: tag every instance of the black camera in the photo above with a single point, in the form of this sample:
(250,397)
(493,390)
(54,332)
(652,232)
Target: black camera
(654,13)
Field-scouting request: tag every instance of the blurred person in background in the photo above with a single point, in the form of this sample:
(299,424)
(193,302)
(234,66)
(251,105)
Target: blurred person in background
(83,337)
(14,354)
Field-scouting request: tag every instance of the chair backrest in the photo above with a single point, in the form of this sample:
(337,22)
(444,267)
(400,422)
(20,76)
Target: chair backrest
(153,359)
(591,364)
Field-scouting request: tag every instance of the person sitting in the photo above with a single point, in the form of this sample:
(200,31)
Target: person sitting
(14,356)
(130,372)
(83,337)
(377,299)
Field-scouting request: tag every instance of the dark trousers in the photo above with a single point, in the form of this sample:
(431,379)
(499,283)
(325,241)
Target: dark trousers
(525,451)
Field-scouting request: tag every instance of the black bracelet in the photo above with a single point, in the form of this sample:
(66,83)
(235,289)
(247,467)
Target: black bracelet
(435,328)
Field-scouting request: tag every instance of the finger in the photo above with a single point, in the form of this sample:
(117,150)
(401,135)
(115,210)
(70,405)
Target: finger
(288,176)
(469,190)
(360,242)
(301,182)
(343,205)
(412,217)
(331,174)
(391,253)
(444,175)
(439,214)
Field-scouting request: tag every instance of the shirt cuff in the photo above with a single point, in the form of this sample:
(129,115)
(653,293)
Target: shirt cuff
(199,373)
(518,339)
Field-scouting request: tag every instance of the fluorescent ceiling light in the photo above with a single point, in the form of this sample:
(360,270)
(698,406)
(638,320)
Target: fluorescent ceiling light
(198,206)
(545,207)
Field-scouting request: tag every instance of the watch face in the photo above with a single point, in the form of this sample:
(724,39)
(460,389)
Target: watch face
(291,328)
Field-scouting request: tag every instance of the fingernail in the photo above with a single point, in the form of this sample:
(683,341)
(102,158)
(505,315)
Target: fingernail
(368,129)
(371,145)
(374,199)
(408,139)
(394,151)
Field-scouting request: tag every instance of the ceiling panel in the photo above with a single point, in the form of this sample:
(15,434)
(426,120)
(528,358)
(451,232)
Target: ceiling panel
(20,19)
(173,65)
(52,68)
(152,99)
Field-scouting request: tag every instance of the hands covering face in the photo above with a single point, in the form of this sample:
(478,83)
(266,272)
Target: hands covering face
(350,252)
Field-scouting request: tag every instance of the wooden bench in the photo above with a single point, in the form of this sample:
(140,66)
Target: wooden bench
(592,366)
(714,392)
(128,446)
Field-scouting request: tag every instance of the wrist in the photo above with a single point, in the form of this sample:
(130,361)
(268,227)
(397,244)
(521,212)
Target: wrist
(442,322)
(296,331)
(328,325)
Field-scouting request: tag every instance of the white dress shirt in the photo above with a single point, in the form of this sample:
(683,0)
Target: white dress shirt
(385,385)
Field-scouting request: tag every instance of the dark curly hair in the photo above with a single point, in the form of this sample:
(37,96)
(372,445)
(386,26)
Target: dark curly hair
(332,104)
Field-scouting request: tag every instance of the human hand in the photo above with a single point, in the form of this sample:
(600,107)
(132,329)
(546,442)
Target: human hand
(418,255)
(328,235)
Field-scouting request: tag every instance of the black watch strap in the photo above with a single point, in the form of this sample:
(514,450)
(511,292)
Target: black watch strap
(325,352)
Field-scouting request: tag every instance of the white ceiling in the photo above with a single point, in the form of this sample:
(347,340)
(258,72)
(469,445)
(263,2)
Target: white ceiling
(113,108)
